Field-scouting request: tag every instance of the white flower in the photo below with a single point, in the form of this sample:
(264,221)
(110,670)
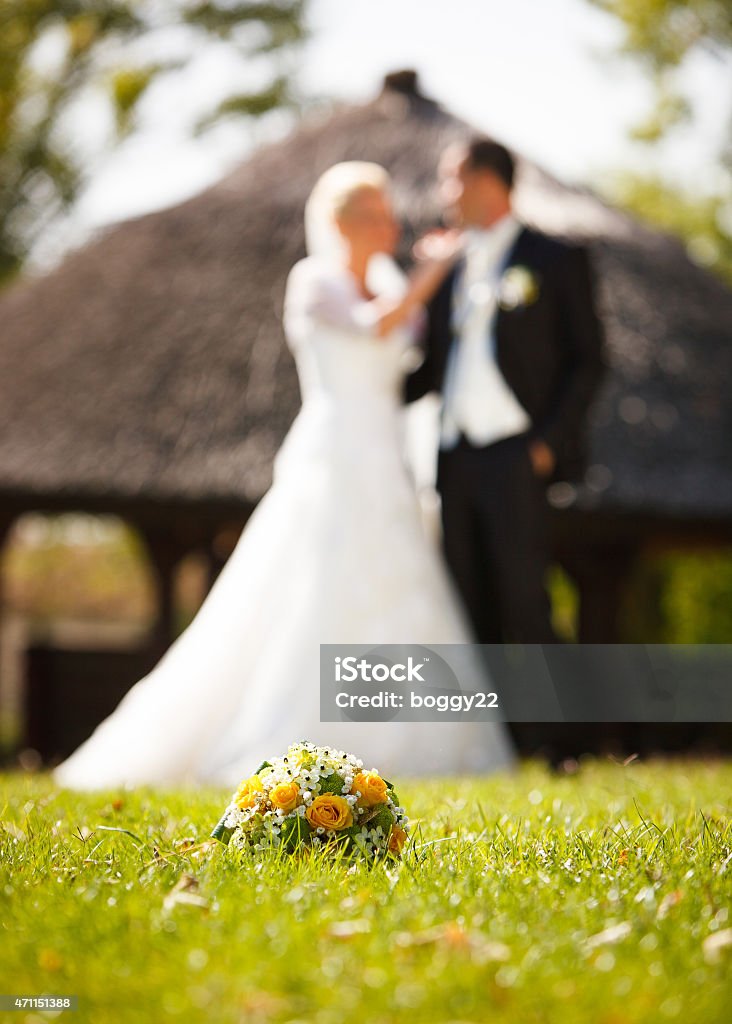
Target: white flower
(519,286)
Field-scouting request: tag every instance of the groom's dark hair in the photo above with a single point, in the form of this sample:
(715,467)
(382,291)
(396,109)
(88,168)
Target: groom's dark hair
(484,153)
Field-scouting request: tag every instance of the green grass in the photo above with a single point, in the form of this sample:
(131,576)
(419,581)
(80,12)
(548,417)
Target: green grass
(530,897)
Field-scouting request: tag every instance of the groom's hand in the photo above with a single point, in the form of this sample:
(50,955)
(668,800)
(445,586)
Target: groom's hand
(542,457)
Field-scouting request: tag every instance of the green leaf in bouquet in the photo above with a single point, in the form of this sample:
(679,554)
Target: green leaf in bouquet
(376,815)
(294,831)
(332,783)
(264,764)
(222,832)
(384,816)
(256,829)
(392,792)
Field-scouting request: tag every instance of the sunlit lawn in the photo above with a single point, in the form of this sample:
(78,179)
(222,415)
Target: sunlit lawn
(602,896)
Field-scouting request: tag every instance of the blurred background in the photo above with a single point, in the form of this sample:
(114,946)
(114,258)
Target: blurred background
(154,159)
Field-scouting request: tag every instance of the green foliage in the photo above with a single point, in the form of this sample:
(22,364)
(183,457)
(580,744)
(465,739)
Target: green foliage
(600,896)
(663,32)
(564,598)
(332,783)
(80,566)
(382,815)
(703,222)
(127,87)
(660,34)
(221,831)
(256,829)
(680,598)
(294,831)
(110,46)
(392,793)
(250,104)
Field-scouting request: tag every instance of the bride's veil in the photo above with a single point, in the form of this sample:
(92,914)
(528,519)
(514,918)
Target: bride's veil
(321,234)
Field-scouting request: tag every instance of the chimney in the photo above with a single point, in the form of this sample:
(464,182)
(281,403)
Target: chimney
(405,82)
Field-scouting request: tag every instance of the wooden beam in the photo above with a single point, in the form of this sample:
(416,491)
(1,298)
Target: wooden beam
(602,573)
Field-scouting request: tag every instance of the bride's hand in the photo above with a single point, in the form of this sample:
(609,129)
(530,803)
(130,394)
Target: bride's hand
(439,245)
(434,255)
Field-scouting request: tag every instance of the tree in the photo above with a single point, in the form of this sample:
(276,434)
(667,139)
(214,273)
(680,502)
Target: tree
(55,52)
(702,221)
(678,597)
(661,34)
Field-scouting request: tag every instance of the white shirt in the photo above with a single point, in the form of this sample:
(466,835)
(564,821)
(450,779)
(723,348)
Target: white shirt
(477,399)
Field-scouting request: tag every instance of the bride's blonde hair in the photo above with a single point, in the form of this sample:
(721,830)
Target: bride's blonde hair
(331,196)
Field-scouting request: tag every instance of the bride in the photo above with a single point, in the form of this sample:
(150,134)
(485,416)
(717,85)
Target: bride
(335,552)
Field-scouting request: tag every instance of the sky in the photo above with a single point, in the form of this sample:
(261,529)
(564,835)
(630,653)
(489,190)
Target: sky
(541,75)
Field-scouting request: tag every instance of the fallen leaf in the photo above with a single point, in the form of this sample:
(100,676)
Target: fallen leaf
(715,943)
(456,936)
(185,891)
(615,933)
(668,901)
(346,929)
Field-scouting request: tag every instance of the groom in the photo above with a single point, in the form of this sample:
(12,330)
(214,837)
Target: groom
(514,346)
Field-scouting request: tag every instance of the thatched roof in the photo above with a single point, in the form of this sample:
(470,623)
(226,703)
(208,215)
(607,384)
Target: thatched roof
(151,363)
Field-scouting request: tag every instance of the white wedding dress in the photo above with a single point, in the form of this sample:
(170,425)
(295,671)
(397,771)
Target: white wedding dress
(335,552)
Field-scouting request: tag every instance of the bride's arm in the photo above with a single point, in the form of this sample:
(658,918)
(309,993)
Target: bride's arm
(315,295)
(438,253)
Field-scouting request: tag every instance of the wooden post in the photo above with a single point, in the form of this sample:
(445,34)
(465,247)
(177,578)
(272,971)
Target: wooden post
(6,521)
(165,553)
(602,574)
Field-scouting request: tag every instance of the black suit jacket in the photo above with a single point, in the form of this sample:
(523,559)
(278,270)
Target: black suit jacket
(550,350)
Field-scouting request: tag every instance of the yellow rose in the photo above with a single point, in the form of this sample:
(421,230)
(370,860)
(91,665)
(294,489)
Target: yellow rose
(248,792)
(397,839)
(284,796)
(329,811)
(372,788)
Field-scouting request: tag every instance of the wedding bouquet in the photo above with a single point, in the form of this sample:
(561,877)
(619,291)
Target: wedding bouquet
(313,797)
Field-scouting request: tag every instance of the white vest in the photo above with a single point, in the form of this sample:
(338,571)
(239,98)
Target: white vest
(477,398)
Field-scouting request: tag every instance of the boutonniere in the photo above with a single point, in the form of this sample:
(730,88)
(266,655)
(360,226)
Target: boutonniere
(519,286)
